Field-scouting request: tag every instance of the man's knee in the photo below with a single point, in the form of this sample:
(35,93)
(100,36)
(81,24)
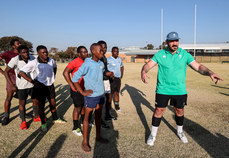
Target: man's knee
(159,112)
(179,112)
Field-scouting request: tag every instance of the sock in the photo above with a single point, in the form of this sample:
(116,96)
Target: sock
(179,129)
(22,115)
(6,114)
(154,131)
(35,111)
(156,121)
(179,120)
(75,124)
(54,115)
(116,105)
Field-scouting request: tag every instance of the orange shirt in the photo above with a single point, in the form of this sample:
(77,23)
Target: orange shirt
(75,65)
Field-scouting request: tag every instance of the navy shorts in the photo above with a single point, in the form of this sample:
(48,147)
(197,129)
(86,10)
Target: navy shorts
(92,102)
(178,101)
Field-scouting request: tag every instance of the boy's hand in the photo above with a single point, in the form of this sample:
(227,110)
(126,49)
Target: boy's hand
(14,88)
(87,92)
(110,74)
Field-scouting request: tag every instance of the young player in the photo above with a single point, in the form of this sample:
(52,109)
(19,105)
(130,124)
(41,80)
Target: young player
(14,43)
(23,87)
(92,72)
(77,97)
(115,65)
(42,71)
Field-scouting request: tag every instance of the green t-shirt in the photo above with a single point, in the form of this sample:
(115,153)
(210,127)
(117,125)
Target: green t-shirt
(172,71)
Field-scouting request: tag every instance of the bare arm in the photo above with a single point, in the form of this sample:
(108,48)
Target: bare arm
(145,69)
(122,71)
(1,71)
(205,71)
(6,73)
(25,76)
(66,75)
(85,92)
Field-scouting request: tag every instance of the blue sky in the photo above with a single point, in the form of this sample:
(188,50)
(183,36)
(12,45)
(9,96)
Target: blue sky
(59,23)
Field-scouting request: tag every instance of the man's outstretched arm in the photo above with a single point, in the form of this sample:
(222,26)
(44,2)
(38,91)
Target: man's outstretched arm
(145,69)
(205,71)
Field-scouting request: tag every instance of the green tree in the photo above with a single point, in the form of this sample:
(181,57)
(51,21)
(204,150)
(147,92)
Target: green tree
(163,45)
(5,43)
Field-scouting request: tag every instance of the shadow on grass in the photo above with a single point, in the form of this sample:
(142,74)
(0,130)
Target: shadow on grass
(55,148)
(110,149)
(63,104)
(215,145)
(224,93)
(220,87)
(138,100)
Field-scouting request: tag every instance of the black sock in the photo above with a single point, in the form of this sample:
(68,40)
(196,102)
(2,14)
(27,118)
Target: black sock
(116,105)
(75,124)
(82,118)
(156,121)
(22,115)
(179,120)
(54,115)
(35,111)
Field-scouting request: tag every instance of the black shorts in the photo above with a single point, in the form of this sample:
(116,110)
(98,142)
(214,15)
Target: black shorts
(115,85)
(23,93)
(178,101)
(42,92)
(77,97)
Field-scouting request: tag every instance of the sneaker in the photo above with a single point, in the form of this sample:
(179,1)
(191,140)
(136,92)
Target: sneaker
(151,140)
(59,121)
(120,111)
(77,132)
(44,127)
(91,124)
(5,121)
(23,125)
(38,119)
(182,137)
(104,126)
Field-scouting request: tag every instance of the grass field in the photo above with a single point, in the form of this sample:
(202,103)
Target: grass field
(206,122)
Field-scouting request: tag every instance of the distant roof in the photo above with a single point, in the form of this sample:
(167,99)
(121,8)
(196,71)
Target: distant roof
(205,46)
(140,52)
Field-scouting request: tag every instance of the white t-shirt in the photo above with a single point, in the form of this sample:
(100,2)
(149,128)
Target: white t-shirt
(43,72)
(17,63)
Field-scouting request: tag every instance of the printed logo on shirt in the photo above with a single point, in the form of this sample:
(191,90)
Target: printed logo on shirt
(164,56)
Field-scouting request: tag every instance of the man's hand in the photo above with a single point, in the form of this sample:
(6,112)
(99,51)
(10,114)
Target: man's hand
(144,76)
(36,83)
(87,92)
(214,76)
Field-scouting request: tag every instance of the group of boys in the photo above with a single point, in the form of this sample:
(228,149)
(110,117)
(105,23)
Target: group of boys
(27,75)
(93,82)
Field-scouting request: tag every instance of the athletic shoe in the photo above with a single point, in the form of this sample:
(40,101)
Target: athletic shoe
(38,119)
(5,121)
(77,132)
(104,126)
(23,125)
(59,121)
(44,127)
(182,137)
(151,140)
(120,111)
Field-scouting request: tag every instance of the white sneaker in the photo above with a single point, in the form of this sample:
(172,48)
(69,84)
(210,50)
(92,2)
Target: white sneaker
(182,137)
(151,140)
(77,132)
(120,111)
(91,124)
